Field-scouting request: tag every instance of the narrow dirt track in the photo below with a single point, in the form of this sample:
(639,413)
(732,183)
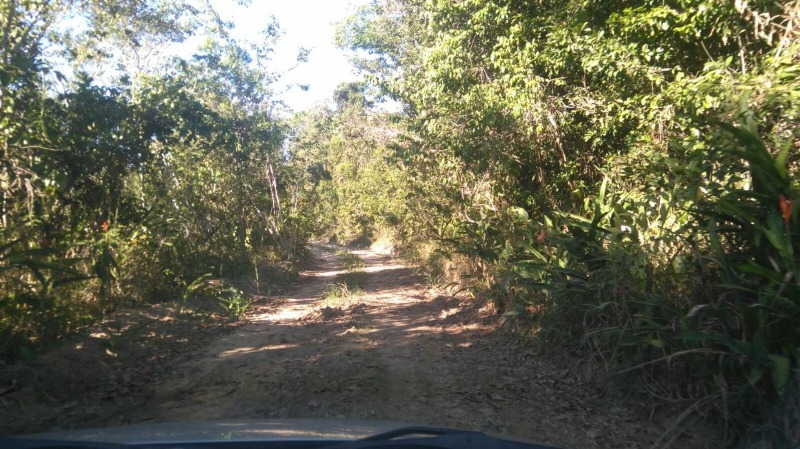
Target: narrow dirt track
(407,354)
(401,351)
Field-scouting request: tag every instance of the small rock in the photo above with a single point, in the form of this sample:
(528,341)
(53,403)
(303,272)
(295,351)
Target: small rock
(313,404)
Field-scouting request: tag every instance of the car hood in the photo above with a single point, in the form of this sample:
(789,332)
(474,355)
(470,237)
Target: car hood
(236,430)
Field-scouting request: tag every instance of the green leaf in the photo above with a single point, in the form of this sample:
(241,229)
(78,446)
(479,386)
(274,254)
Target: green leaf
(756,372)
(601,197)
(780,370)
(520,213)
(529,270)
(780,162)
(767,273)
(196,284)
(773,237)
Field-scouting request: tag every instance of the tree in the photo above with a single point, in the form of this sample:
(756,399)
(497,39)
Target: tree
(353,186)
(130,187)
(578,153)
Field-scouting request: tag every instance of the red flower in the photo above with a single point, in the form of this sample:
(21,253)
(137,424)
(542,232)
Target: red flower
(786,208)
(104,225)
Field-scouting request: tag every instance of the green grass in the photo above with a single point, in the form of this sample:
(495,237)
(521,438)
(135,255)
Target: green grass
(347,290)
(352,262)
(341,295)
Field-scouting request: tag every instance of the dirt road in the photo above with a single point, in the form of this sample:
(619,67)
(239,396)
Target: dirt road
(408,354)
(400,351)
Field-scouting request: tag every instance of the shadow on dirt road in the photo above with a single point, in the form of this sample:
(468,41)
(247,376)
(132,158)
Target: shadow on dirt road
(399,351)
(408,354)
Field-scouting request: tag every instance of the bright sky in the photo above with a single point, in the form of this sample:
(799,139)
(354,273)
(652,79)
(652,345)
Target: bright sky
(305,23)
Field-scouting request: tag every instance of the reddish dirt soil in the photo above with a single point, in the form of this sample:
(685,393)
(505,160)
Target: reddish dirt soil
(399,351)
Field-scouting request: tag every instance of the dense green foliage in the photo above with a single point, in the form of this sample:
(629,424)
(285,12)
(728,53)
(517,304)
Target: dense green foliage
(130,187)
(622,174)
(621,177)
(349,181)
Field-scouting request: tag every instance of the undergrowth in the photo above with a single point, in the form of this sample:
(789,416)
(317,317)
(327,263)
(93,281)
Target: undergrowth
(694,303)
(231,299)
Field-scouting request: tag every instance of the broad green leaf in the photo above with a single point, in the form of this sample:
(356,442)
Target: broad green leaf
(780,369)
(780,161)
(520,213)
